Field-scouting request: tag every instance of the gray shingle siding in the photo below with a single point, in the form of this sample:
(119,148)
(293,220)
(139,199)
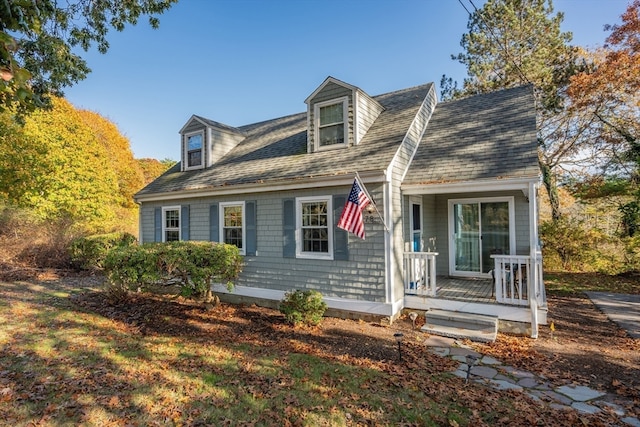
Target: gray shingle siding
(361,277)
(221,143)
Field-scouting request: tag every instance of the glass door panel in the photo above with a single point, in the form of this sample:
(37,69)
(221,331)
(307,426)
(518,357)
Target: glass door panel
(466,222)
(494,222)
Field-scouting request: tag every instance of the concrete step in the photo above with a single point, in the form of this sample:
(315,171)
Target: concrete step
(457,324)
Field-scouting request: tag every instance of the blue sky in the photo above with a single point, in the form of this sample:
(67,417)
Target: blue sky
(243,61)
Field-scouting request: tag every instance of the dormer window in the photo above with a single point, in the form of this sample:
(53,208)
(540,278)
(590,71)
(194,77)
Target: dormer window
(195,150)
(331,125)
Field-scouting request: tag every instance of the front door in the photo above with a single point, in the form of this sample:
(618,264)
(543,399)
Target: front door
(479,228)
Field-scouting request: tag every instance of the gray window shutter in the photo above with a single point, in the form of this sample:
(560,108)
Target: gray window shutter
(289,228)
(184,222)
(340,236)
(251,239)
(157,225)
(214,223)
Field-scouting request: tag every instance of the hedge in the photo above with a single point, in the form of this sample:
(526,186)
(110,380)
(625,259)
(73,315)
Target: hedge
(195,266)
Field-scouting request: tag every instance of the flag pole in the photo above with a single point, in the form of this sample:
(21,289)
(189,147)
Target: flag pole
(361,184)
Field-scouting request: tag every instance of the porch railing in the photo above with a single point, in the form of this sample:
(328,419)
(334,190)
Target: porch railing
(517,277)
(420,273)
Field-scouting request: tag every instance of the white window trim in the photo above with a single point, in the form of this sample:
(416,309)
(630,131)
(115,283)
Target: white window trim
(164,221)
(299,244)
(221,224)
(185,146)
(316,123)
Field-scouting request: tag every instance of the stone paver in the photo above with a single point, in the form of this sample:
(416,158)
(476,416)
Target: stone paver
(528,383)
(579,393)
(505,385)
(441,351)
(488,360)
(557,397)
(585,407)
(459,351)
(484,372)
(490,371)
(518,372)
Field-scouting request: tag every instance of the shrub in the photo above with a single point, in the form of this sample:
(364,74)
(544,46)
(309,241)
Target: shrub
(30,244)
(566,244)
(303,307)
(89,253)
(195,266)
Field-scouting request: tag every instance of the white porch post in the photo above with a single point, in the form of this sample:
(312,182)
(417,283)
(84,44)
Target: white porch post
(533,245)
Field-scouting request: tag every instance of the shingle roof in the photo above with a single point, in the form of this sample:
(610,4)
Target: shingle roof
(484,137)
(276,150)
(489,136)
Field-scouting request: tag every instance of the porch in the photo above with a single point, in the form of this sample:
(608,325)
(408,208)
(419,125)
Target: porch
(513,291)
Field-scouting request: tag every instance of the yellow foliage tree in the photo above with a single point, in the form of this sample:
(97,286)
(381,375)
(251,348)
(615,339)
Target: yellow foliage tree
(129,173)
(68,165)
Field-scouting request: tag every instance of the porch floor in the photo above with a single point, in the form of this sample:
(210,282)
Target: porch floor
(474,290)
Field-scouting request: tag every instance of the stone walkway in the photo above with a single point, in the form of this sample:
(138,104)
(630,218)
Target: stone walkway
(492,372)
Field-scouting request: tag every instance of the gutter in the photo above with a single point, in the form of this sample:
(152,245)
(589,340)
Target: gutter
(345,179)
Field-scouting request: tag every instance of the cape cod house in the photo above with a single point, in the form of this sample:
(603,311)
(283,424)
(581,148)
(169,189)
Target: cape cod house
(452,226)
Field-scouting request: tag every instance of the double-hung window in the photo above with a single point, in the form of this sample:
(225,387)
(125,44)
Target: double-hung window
(194,150)
(331,125)
(171,224)
(314,223)
(232,223)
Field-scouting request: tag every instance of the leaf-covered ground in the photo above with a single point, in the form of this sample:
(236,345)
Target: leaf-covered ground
(584,347)
(68,357)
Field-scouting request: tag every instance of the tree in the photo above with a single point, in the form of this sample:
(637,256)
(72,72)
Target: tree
(610,89)
(152,168)
(37,38)
(127,169)
(71,167)
(515,42)
(609,92)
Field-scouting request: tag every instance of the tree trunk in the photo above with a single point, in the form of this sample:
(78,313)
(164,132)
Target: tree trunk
(549,181)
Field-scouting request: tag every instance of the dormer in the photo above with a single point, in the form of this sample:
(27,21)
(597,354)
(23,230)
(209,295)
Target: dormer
(338,115)
(203,142)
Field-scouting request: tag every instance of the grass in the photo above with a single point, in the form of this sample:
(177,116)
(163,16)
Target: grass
(63,365)
(572,284)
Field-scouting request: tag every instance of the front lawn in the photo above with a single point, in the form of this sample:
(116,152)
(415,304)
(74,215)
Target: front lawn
(67,357)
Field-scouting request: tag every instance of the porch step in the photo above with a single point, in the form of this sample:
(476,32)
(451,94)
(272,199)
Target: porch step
(456,324)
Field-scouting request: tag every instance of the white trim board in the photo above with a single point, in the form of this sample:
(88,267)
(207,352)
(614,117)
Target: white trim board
(521,184)
(344,304)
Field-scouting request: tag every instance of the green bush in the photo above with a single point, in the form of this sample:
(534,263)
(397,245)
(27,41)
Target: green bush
(303,307)
(89,252)
(195,266)
(570,246)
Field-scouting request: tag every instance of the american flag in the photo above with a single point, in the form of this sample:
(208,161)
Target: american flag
(351,218)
